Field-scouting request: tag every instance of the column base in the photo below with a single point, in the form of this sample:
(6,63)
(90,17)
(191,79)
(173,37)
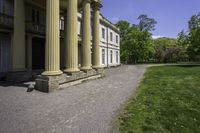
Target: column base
(52,73)
(86,68)
(47,83)
(97,67)
(72,70)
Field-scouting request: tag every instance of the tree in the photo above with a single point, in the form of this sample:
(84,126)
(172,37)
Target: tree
(194,38)
(146,23)
(123,26)
(194,22)
(183,43)
(136,45)
(166,50)
(194,45)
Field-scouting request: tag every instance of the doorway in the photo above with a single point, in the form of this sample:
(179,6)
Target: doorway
(38,53)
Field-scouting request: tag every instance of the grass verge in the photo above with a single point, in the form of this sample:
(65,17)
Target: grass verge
(167,100)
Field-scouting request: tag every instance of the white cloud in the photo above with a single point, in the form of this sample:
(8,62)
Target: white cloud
(115,19)
(156,36)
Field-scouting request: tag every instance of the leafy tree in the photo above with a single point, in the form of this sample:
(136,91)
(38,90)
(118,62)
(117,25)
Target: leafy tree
(123,26)
(136,44)
(194,22)
(146,23)
(183,42)
(194,38)
(194,44)
(166,50)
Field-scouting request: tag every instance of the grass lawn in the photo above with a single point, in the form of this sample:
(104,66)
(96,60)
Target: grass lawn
(167,101)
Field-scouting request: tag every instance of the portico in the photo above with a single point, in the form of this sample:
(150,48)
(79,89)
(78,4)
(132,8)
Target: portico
(53,76)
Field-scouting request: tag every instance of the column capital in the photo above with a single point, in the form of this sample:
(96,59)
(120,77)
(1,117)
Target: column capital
(97,5)
(87,1)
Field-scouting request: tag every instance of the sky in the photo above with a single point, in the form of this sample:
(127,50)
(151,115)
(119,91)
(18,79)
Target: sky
(172,15)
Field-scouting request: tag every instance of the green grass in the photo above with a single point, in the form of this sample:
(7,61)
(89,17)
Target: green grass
(167,101)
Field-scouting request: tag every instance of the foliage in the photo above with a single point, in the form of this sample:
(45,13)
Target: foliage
(146,23)
(123,26)
(194,44)
(136,45)
(191,42)
(194,22)
(182,42)
(166,101)
(166,50)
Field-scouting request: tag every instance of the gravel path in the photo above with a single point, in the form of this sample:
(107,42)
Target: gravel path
(86,108)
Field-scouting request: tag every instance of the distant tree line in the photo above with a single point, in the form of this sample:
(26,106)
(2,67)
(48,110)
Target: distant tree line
(138,46)
(189,41)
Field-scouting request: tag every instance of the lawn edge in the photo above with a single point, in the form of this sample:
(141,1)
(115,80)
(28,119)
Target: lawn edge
(115,123)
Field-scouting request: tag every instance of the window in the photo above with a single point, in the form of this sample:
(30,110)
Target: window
(1,6)
(62,23)
(111,36)
(117,57)
(117,39)
(111,56)
(103,56)
(35,16)
(103,33)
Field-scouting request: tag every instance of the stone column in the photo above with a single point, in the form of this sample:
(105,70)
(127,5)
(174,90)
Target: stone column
(52,47)
(96,40)
(72,37)
(18,48)
(86,37)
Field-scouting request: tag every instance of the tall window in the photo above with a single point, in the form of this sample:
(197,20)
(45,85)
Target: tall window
(35,16)
(111,36)
(117,57)
(62,23)
(103,33)
(1,6)
(117,39)
(111,56)
(103,56)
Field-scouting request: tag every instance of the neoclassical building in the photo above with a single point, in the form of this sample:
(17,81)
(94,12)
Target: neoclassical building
(60,40)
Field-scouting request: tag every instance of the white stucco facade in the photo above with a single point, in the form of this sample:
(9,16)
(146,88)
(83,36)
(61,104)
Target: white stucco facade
(109,43)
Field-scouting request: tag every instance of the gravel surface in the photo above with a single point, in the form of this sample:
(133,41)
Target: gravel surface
(86,108)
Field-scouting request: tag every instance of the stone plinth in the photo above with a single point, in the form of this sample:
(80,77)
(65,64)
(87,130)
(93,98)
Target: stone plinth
(53,83)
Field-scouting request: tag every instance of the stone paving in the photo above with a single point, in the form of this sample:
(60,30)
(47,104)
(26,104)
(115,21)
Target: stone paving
(86,108)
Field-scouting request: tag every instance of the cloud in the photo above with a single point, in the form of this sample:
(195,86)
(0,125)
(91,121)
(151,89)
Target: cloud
(156,36)
(115,19)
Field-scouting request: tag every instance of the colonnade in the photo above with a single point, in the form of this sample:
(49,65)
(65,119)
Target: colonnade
(52,45)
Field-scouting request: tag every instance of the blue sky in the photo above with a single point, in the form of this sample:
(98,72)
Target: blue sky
(172,15)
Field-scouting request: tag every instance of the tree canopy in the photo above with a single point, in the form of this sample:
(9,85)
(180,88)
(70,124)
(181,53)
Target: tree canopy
(137,45)
(190,41)
(146,23)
